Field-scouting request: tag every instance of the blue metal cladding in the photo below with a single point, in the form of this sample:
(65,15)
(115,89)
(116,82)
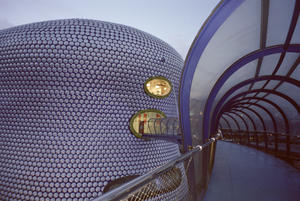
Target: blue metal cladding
(68,89)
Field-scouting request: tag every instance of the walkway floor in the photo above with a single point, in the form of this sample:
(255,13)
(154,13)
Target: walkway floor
(245,174)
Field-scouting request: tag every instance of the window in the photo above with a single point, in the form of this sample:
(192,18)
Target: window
(147,122)
(158,87)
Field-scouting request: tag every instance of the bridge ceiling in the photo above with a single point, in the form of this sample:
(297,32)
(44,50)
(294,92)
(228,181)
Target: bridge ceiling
(248,51)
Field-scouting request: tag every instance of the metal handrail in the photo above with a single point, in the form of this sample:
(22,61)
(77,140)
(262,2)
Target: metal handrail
(127,188)
(258,132)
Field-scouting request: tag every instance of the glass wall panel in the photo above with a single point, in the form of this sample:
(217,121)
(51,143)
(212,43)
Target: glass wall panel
(241,27)
(268,64)
(296,34)
(280,16)
(247,72)
(287,63)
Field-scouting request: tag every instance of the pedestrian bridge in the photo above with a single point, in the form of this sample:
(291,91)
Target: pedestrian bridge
(240,84)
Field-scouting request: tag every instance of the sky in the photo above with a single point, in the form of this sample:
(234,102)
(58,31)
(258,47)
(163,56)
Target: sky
(175,21)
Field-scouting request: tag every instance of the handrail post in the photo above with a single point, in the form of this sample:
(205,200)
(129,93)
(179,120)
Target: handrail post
(248,136)
(276,142)
(288,144)
(266,140)
(256,139)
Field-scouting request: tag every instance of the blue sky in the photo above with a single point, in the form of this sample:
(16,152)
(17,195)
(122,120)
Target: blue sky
(174,21)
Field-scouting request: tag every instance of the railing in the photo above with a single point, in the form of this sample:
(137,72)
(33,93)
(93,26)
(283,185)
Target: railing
(156,182)
(161,128)
(269,141)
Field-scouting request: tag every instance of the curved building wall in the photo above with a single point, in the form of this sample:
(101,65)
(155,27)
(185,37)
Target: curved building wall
(68,89)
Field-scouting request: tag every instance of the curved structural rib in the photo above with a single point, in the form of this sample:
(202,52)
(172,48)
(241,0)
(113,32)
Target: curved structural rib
(239,116)
(233,68)
(238,105)
(244,83)
(254,112)
(211,25)
(287,98)
(227,122)
(287,127)
(247,115)
(235,121)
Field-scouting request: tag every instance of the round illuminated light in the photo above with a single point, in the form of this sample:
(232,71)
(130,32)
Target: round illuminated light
(143,122)
(158,87)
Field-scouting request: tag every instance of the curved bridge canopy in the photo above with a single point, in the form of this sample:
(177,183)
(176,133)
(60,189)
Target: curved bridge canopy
(242,71)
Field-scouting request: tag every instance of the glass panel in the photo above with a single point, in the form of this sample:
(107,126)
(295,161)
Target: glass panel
(286,106)
(240,121)
(270,85)
(231,122)
(158,87)
(265,117)
(296,34)
(294,117)
(276,114)
(280,16)
(296,73)
(287,63)
(242,27)
(268,64)
(247,72)
(147,122)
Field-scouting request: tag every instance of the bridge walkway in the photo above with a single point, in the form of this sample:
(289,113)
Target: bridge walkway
(243,173)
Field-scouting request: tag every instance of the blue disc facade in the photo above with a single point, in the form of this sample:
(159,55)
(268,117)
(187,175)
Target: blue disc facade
(68,89)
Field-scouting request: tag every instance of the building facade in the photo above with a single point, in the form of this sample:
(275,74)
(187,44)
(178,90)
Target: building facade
(68,89)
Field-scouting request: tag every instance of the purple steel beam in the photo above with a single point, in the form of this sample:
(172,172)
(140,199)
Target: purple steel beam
(242,118)
(237,65)
(269,91)
(226,121)
(234,120)
(246,82)
(287,40)
(286,122)
(211,25)
(253,111)
(247,115)
(263,108)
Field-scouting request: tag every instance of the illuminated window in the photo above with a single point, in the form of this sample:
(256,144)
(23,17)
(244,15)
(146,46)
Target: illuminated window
(158,87)
(147,122)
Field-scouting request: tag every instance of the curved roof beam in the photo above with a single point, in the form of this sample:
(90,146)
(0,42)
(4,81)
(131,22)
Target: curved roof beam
(265,5)
(235,121)
(220,125)
(287,42)
(211,25)
(287,98)
(264,109)
(290,72)
(236,87)
(227,73)
(227,122)
(243,120)
(222,11)
(292,27)
(247,115)
(286,122)
(253,111)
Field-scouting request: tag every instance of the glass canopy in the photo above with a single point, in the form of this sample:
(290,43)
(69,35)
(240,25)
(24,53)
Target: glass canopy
(241,72)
